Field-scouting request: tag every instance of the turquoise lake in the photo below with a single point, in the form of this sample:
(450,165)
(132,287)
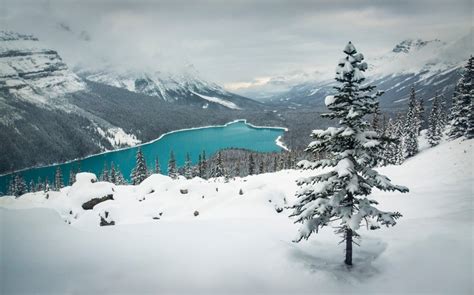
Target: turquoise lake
(236,134)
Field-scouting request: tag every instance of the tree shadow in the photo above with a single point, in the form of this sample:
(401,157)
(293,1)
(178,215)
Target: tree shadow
(327,258)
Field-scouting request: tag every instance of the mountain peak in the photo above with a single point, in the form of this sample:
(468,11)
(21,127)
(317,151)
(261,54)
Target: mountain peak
(13,36)
(409,45)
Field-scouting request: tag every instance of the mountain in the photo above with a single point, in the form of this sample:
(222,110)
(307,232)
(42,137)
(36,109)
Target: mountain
(49,114)
(181,87)
(429,65)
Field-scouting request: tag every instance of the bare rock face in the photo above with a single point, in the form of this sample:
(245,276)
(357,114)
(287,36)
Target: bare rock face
(89,205)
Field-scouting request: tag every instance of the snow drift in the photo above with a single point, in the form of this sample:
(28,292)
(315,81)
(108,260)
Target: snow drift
(239,243)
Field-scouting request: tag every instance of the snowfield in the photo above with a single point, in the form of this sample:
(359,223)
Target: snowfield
(239,243)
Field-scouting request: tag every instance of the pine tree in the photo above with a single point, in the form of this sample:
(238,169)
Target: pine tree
(39,185)
(112,174)
(140,172)
(251,164)
(32,188)
(341,194)
(157,166)
(188,171)
(410,139)
(72,177)
(261,167)
(434,125)
(172,168)
(219,170)
(376,119)
(119,179)
(46,185)
(462,108)
(105,176)
(203,167)
(419,115)
(58,179)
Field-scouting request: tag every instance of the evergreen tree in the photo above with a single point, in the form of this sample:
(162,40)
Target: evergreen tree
(341,194)
(376,119)
(410,139)
(203,167)
(105,176)
(172,168)
(400,134)
(434,125)
(157,166)
(140,172)
(32,188)
(119,179)
(261,167)
(39,185)
(419,115)
(112,174)
(58,179)
(72,177)
(218,170)
(188,171)
(462,108)
(251,164)
(46,185)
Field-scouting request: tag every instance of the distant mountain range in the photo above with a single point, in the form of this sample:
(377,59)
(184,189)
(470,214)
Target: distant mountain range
(430,66)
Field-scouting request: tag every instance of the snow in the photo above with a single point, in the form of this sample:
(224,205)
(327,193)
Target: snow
(118,137)
(226,103)
(239,243)
(329,100)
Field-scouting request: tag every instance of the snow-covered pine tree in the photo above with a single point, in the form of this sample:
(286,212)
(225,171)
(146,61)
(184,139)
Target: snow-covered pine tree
(105,175)
(157,166)
(188,170)
(72,177)
(119,179)
(340,195)
(46,185)
(410,128)
(434,127)
(203,166)
(58,179)
(462,108)
(112,174)
(218,170)
(140,171)
(261,167)
(251,164)
(172,168)
(32,186)
(419,115)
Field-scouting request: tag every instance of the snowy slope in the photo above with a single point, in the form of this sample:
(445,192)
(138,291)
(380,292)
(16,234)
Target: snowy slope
(239,243)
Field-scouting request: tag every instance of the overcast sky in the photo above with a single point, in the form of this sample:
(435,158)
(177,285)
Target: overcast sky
(231,42)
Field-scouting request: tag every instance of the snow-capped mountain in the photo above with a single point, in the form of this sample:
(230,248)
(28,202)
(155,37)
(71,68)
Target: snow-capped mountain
(32,72)
(430,66)
(183,87)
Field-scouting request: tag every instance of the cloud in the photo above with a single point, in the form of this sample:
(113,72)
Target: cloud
(230,42)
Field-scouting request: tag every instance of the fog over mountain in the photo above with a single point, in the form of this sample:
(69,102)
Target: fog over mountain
(237,44)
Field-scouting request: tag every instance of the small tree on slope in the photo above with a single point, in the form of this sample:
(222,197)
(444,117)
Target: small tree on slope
(435,126)
(340,195)
(462,109)
(140,172)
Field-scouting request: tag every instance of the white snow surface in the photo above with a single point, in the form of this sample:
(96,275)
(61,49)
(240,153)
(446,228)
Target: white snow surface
(239,244)
(226,103)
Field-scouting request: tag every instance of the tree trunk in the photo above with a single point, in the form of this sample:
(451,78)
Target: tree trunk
(349,234)
(348,260)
